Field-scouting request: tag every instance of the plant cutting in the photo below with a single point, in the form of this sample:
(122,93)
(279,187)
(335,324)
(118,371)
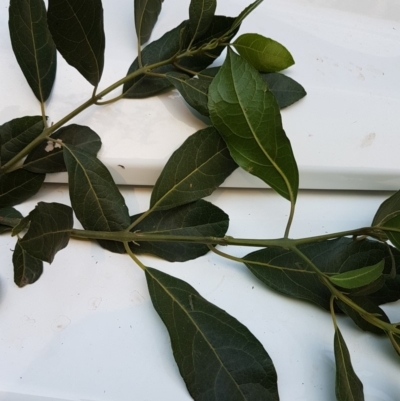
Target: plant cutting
(351,272)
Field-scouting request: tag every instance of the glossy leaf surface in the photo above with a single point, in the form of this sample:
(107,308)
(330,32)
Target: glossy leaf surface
(248,118)
(360,277)
(49,230)
(264,54)
(77,30)
(348,386)
(285,89)
(217,356)
(33,45)
(27,269)
(95,198)
(9,218)
(199,218)
(194,171)
(201,13)
(16,134)
(48,157)
(146,15)
(18,186)
(287,273)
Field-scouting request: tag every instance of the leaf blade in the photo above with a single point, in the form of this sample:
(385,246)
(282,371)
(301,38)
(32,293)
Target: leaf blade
(33,45)
(193,171)
(18,186)
(16,134)
(201,13)
(78,32)
(210,365)
(264,54)
(146,15)
(348,386)
(248,118)
(95,198)
(199,218)
(49,230)
(27,269)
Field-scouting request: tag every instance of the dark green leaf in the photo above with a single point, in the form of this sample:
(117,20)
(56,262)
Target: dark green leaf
(27,269)
(217,356)
(22,225)
(388,216)
(200,218)
(33,45)
(246,114)
(95,198)
(370,307)
(359,277)
(168,46)
(146,15)
(48,156)
(49,230)
(194,171)
(219,31)
(162,49)
(9,218)
(286,272)
(264,54)
(286,90)
(201,13)
(193,90)
(77,30)
(348,386)
(16,134)
(18,186)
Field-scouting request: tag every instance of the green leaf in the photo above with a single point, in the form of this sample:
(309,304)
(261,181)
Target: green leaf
(16,134)
(370,307)
(95,198)
(388,216)
(201,13)
(9,218)
(22,225)
(360,277)
(286,90)
(287,273)
(348,386)
(27,269)
(18,186)
(199,218)
(264,54)
(194,171)
(49,230)
(162,49)
(246,114)
(77,30)
(33,45)
(146,15)
(48,157)
(217,356)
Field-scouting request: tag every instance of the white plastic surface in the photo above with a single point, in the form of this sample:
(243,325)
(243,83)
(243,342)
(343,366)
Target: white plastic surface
(87,329)
(345,133)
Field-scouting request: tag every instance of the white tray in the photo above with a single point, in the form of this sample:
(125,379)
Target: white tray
(345,133)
